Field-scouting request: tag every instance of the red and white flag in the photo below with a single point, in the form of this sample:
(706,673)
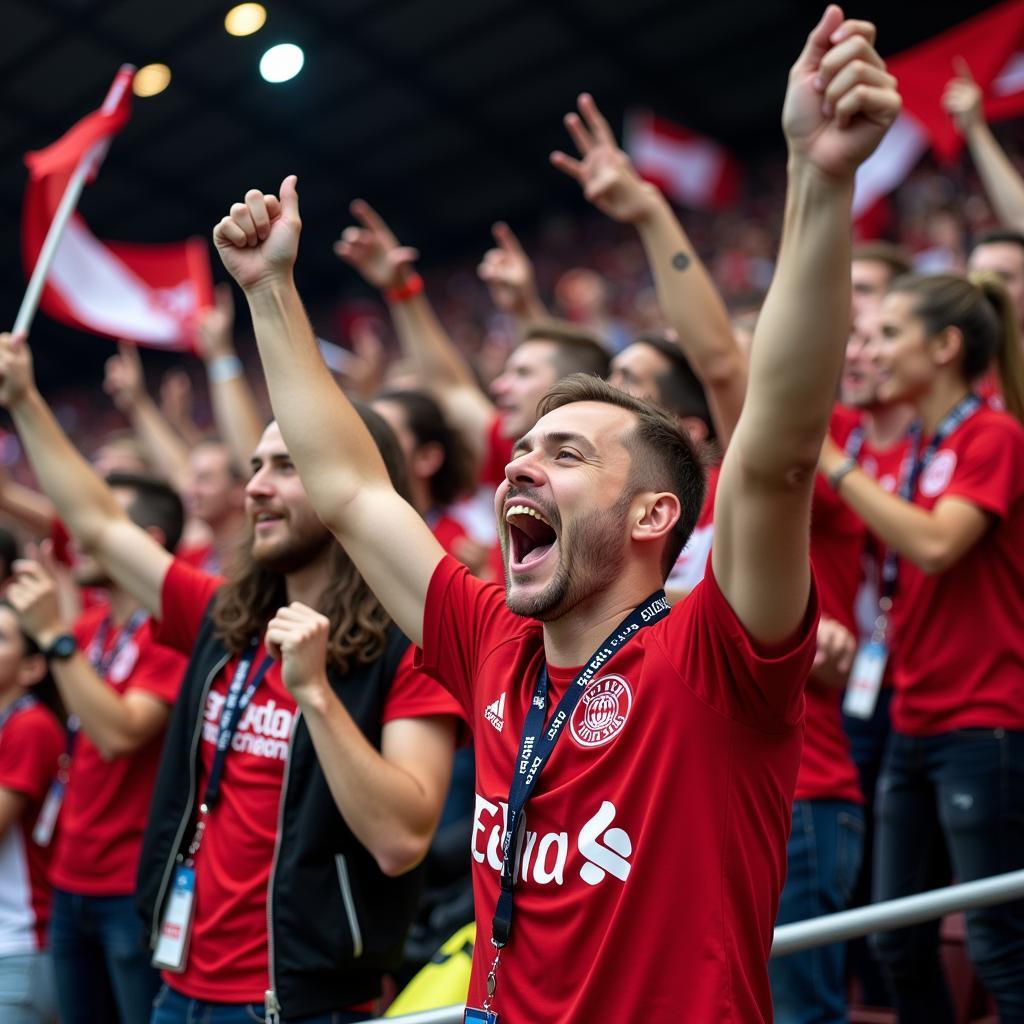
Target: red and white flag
(690,169)
(992,43)
(150,294)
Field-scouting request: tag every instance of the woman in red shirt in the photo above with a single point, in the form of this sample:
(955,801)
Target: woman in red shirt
(31,743)
(951,791)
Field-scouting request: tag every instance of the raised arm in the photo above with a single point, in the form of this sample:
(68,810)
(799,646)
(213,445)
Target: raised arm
(1003,184)
(126,385)
(507,271)
(339,464)
(688,298)
(134,560)
(117,723)
(839,103)
(235,410)
(374,251)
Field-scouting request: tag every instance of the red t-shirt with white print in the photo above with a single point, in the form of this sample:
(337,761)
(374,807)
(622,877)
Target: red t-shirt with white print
(31,742)
(655,852)
(958,645)
(106,803)
(227,958)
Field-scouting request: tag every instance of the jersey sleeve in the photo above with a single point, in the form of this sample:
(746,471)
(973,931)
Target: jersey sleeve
(462,620)
(30,748)
(186,593)
(756,684)
(414,694)
(989,468)
(159,669)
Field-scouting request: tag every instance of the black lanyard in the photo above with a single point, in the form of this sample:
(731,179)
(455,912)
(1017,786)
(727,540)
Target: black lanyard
(26,700)
(915,463)
(235,704)
(537,744)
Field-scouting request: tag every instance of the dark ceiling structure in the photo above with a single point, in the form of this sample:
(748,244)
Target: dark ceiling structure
(439,112)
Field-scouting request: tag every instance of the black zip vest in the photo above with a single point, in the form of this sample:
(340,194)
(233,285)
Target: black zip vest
(336,923)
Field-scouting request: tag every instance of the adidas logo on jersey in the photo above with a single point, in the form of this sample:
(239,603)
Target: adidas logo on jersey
(495,713)
(605,850)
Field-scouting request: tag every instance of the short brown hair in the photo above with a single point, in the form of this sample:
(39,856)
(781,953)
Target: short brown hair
(578,349)
(663,456)
(895,257)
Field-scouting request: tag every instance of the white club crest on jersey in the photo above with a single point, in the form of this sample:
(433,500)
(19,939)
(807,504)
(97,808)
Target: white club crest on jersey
(495,713)
(935,479)
(602,711)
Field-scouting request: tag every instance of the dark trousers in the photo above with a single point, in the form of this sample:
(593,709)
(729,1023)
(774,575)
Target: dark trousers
(174,1008)
(955,800)
(100,961)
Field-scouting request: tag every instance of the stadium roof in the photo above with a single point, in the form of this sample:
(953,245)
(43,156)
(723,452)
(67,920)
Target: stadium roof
(440,112)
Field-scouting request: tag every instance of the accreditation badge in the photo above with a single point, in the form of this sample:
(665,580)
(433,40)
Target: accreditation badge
(46,820)
(865,680)
(172,946)
(479,1016)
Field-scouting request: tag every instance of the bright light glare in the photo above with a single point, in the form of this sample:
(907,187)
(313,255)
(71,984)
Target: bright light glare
(281,62)
(151,79)
(245,19)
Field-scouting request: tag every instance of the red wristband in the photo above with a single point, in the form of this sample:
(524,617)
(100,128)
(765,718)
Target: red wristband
(412,287)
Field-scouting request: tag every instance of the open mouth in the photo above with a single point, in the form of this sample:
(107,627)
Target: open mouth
(530,536)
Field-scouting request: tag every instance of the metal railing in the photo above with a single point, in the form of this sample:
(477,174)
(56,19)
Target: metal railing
(848,924)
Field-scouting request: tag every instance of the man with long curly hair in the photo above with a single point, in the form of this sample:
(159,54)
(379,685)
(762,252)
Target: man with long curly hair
(306,761)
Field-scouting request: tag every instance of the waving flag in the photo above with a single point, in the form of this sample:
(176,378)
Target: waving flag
(992,43)
(690,169)
(149,294)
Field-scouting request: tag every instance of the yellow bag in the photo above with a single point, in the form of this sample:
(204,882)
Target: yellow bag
(442,982)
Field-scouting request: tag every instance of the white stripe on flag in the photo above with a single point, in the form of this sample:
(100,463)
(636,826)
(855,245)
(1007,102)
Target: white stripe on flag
(900,149)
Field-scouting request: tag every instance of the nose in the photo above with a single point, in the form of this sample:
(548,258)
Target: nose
(525,470)
(258,485)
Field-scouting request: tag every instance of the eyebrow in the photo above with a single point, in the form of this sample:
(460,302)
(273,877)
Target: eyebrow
(557,437)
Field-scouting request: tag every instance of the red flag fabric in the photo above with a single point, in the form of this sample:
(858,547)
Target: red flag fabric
(992,43)
(149,294)
(690,169)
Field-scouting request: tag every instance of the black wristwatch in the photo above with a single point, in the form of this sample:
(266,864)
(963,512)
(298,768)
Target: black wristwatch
(62,648)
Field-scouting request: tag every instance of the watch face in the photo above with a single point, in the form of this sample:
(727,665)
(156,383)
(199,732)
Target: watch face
(63,647)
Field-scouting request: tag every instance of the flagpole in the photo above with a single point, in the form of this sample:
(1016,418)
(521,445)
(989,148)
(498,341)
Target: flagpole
(66,207)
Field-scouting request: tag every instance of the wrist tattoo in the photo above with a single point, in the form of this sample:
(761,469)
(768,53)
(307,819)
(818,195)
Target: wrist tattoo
(680,261)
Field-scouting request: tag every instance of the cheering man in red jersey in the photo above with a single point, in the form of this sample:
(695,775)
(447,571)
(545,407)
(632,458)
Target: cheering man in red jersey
(635,764)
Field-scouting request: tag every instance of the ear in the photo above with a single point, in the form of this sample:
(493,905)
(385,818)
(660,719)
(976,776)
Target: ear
(654,515)
(948,346)
(695,427)
(427,459)
(32,670)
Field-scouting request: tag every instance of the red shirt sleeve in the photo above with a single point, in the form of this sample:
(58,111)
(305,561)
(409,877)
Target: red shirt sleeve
(988,471)
(463,617)
(186,593)
(758,684)
(30,747)
(414,694)
(497,455)
(159,669)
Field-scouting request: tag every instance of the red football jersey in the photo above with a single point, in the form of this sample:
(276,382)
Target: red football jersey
(227,959)
(31,742)
(957,641)
(107,802)
(655,845)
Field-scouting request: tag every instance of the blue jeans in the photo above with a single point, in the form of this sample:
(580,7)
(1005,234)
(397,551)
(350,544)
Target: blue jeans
(100,960)
(27,989)
(172,1007)
(824,853)
(957,797)
(868,740)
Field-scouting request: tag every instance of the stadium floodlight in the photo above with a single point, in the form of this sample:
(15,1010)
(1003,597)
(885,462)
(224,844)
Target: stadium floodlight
(282,62)
(151,79)
(244,19)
